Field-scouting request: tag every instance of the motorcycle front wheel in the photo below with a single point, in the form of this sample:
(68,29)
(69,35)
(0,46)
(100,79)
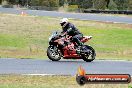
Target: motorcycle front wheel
(88,53)
(53,53)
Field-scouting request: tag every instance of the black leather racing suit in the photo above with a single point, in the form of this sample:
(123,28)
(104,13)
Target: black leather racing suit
(71,30)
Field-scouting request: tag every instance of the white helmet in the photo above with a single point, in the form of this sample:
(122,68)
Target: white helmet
(63,20)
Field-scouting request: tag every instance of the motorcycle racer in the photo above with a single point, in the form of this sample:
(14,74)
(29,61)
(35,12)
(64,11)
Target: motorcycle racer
(69,29)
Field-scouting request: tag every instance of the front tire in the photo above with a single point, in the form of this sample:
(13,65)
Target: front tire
(88,53)
(53,53)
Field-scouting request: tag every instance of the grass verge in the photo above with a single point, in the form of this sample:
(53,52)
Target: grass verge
(27,36)
(18,81)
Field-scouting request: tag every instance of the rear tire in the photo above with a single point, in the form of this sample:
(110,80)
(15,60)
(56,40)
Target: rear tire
(53,53)
(89,55)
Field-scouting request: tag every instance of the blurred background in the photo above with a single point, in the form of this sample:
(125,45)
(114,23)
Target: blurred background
(23,35)
(70,5)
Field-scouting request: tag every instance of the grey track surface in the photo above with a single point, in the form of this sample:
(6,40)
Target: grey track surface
(63,67)
(82,16)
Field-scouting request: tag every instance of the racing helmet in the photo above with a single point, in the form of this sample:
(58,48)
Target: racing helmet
(63,22)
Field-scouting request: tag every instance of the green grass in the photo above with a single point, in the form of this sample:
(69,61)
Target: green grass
(18,81)
(27,36)
(108,39)
(12,41)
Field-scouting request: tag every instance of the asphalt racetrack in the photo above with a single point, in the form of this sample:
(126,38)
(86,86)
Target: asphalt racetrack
(62,67)
(81,16)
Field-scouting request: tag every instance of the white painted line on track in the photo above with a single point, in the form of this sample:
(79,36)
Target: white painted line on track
(115,60)
(39,74)
(44,75)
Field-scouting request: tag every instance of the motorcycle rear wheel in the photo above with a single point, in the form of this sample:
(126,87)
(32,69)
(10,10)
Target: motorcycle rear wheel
(53,53)
(89,55)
